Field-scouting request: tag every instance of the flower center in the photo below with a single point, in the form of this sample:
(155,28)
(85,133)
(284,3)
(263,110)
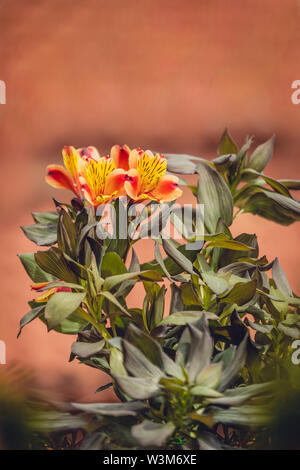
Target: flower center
(151,169)
(97,173)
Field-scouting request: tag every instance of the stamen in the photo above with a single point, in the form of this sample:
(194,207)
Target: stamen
(151,169)
(97,173)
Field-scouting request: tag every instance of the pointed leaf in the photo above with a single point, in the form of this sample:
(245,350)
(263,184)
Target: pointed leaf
(33,270)
(149,433)
(261,155)
(226,144)
(60,306)
(137,388)
(280,279)
(41,234)
(216,197)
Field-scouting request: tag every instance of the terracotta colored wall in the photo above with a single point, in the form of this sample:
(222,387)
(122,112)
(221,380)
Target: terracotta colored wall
(161,74)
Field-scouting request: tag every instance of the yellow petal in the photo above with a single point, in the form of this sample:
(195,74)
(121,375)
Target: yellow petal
(70,156)
(96,178)
(151,169)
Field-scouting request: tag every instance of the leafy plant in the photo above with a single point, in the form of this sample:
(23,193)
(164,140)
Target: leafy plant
(204,374)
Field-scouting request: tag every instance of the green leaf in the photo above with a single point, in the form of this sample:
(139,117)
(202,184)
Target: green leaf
(200,351)
(149,433)
(178,257)
(241,293)
(223,162)
(150,348)
(116,362)
(53,262)
(160,260)
(70,326)
(66,234)
(274,206)
(225,356)
(226,144)
(240,395)
(231,256)
(136,387)
(137,363)
(112,265)
(247,415)
(127,286)
(104,387)
(280,279)
(33,270)
(172,267)
(216,284)
(112,281)
(216,197)
(229,245)
(187,316)
(153,351)
(261,155)
(181,163)
(85,350)
(265,329)
(276,185)
(291,331)
(55,421)
(41,234)
(60,306)
(30,316)
(237,363)
(290,184)
(45,217)
(111,409)
(210,376)
(200,390)
(111,298)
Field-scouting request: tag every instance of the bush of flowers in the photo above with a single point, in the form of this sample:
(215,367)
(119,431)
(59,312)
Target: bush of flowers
(205,372)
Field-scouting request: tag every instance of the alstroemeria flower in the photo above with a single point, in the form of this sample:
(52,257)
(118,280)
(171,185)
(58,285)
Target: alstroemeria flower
(120,156)
(45,296)
(146,178)
(102,181)
(66,177)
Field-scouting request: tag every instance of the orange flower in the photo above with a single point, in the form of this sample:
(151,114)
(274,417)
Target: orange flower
(139,174)
(102,181)
(47,293)
(146,178)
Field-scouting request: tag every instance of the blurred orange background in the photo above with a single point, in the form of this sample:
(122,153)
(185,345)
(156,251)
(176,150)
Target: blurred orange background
(168,75)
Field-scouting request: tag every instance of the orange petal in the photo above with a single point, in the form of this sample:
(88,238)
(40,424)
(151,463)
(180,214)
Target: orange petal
(38,285)
(58,177)
(133,157)
(167,189)
(120,156)
(115,183)
(133,184)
